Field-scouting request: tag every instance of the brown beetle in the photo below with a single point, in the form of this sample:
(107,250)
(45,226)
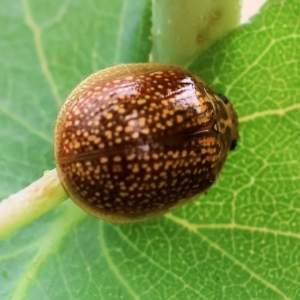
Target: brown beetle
(133,141)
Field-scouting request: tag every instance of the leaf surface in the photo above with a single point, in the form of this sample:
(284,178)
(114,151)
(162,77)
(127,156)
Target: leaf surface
(240,241)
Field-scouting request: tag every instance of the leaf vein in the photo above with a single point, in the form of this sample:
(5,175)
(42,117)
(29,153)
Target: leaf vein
(271,112)
(40,50)
(112,265)
(194,228)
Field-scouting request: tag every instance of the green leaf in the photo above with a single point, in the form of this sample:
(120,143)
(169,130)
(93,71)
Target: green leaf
(240,241)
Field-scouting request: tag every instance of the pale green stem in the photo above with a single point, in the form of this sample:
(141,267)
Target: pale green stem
(30,203)
(182,29)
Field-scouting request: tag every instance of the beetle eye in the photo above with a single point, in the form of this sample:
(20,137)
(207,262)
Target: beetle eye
(233,145)
(223,98)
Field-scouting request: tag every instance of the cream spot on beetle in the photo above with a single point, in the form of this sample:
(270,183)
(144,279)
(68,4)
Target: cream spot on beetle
(108,134)
(135,168)
(156,166)
(135,135)
(121,110)
(103,160)
(117,158)
(130,157)
(141,101)
(155,156)
(77,145)
(128,129)
(145,130)
(169,123)
(147,177)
